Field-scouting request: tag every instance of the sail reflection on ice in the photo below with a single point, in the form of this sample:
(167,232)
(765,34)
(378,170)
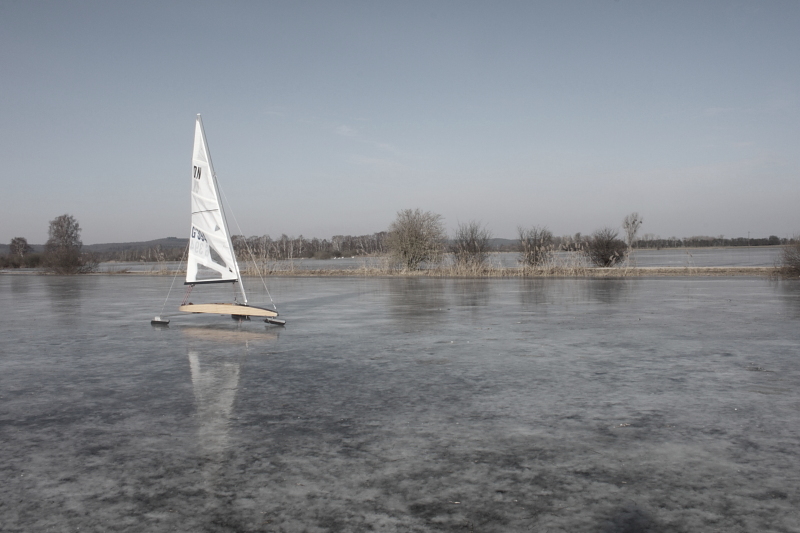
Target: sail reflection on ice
(215,377)
(214,385)
(228,336)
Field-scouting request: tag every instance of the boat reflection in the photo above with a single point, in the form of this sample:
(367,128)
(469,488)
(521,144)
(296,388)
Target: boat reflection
(216,355)
(229,335)
(214,384)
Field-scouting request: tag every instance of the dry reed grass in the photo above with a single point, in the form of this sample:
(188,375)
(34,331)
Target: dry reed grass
(788,266)
(117,270)
(575,265)
(514,272)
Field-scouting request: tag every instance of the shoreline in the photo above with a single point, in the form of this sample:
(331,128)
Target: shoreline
(583,272)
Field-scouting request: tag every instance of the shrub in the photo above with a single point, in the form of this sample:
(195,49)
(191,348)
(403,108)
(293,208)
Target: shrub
(470,246)
(604,248)
(416,237)
(790,260)
(62,252)
(31,260)
(536,245)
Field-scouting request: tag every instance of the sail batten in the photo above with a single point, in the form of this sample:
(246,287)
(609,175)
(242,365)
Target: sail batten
(211,257)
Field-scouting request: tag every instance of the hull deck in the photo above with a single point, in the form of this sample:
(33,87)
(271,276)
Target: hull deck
(228,309)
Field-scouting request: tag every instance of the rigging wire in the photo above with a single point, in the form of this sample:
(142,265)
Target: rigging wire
(249,251)
(176,276)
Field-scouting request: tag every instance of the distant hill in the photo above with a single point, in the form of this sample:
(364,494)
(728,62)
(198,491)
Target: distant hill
(37,248)
(166,243)
(169,249)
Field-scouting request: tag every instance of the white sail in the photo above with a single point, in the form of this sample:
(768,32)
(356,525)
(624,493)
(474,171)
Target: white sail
(211,258)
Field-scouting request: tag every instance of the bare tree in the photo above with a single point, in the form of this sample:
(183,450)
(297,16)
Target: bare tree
(19,247)
(416,237)
(631,225)
(62,252)
(240,247)
(604,248)
(470,246)
(536,245)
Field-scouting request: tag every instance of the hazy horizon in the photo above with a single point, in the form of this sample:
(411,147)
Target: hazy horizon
(327,118)
(329,237)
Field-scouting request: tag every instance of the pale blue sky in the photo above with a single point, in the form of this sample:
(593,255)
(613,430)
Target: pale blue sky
(326,118)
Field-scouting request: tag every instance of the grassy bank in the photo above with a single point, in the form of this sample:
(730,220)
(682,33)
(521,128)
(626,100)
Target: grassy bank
(493,272)
(537,273)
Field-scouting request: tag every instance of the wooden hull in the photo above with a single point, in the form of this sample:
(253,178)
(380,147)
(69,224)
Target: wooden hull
(228,309)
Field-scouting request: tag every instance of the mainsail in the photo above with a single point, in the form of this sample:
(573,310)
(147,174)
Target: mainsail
(211,258)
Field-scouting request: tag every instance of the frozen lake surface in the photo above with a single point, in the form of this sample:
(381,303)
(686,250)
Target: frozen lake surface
(403,405)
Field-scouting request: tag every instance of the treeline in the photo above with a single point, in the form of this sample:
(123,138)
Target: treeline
(265,248)
(62,253)
(578,241)
(150,254)
(702,241)
(21,255)
(28,260)
(65,252)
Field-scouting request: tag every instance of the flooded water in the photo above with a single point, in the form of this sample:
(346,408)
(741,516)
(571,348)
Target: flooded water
(403,405)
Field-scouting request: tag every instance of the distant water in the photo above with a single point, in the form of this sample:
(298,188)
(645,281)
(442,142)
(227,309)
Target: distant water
(757,256)
(401,404)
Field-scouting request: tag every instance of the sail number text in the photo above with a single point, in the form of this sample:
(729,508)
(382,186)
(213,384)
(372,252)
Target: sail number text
(198,243)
